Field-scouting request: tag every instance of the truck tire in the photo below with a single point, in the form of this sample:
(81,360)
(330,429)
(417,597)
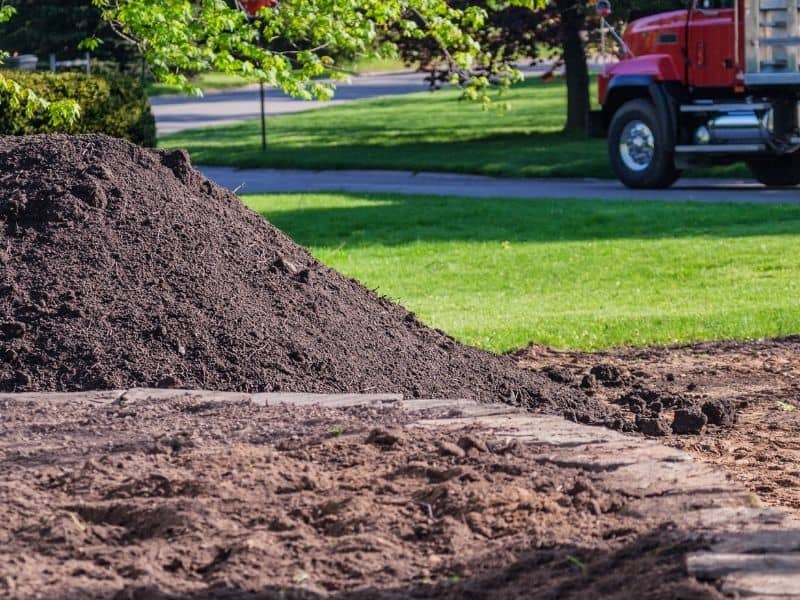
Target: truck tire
(639,156)
(776,171)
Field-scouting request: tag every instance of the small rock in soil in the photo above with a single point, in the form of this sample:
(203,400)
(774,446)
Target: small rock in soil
(13,329)
(384,437)
(558,374)
(470,441)
(652,426)
(169,381)
(451,449)
(609,375)
(688,421)
(719,412)
(284,265)
(588,382)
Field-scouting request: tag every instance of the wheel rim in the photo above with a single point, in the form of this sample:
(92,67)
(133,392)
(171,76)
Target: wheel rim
(637,146)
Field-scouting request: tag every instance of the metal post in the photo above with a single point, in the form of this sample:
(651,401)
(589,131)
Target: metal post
(88,66)
(52,62)
(263,118)
(603,40)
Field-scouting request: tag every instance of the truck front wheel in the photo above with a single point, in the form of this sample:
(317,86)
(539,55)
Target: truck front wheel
(639,157)
(776,171)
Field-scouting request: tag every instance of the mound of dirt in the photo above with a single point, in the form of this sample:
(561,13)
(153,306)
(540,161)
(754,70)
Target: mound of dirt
(125,267)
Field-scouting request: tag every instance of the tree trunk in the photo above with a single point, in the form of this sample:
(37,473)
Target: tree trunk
(572,25)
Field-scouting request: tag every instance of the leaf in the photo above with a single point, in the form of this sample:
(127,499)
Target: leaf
(90,43)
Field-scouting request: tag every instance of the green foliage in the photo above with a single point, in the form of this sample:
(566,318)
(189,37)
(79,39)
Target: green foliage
(573,274)
(291,45)
(6,12)
(111,104)
(505,34)
(24,101)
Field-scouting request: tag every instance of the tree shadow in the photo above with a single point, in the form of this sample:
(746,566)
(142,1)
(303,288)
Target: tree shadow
(391,220)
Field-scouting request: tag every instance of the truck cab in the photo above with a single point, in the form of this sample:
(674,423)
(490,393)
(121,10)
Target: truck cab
(714,83)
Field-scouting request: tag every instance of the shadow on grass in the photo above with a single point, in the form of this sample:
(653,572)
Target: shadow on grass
(326,221)
(372,146)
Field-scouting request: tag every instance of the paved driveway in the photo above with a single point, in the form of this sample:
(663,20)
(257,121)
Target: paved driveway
(250,181)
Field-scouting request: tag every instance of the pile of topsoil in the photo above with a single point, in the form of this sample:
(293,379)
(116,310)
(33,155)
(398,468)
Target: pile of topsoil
(121,266)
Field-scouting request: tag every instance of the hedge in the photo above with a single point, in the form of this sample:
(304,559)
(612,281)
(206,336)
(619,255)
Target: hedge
(110,103)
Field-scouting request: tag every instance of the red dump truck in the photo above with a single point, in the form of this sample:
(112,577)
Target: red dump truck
(713,84)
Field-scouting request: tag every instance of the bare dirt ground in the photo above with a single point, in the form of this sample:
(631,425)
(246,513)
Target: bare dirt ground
(227,500)
(121,267)
(761,379)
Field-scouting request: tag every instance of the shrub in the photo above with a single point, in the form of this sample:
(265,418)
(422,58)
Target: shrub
(110,103)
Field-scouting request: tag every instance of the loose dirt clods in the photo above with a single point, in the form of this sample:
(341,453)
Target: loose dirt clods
(223,500)
(741,396)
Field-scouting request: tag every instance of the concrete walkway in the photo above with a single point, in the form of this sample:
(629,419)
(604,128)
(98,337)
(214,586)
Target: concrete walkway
(250,181)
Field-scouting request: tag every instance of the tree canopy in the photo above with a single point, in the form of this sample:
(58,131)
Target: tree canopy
(290,45)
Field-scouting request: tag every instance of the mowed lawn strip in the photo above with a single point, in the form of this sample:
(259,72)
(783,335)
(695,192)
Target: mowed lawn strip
(573,274)
(427,131)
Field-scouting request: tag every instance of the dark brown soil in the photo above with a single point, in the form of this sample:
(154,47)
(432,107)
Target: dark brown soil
(201,499)
(758,444)
(124,267)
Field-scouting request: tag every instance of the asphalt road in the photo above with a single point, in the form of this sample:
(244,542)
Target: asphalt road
(249,181)
(175,113)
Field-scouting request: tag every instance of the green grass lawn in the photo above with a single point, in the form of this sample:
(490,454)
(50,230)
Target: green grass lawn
(573,274)
(367,66)
(427,131)
(423,131)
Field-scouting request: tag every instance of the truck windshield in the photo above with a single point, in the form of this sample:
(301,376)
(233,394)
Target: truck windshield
(714,4)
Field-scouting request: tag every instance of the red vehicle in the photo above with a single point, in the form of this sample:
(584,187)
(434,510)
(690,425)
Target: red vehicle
(714,84)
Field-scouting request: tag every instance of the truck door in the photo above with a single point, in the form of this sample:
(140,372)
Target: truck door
(710,44)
